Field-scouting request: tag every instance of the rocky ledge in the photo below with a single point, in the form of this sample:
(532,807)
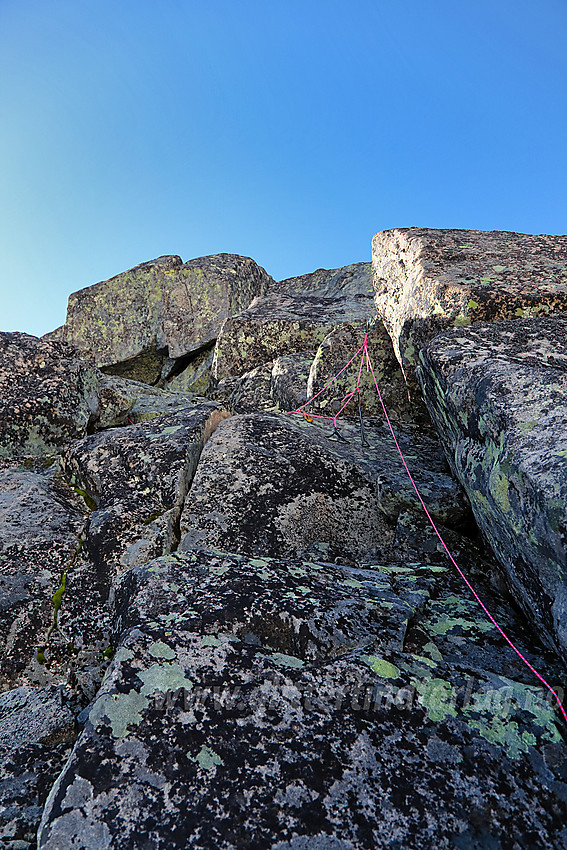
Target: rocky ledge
(227,621)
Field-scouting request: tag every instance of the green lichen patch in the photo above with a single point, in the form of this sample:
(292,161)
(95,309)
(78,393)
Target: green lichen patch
(163,678)
(438,698)
(381,667)
(159,649)
(211,640)
(283,660)
(120,711)
(206,758)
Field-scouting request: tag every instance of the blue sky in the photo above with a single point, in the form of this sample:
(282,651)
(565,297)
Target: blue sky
(285,130)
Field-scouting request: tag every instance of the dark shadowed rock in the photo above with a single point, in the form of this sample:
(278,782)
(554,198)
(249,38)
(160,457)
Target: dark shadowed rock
(279,704)
(41,523)
(428,280)
(497,394)
(164,308)
(194,376)
(275,485)
(47,395)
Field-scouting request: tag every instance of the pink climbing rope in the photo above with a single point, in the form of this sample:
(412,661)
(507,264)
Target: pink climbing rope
(366,359)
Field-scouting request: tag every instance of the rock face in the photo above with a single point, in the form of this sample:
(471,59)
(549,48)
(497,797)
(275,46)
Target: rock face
(283,324)
(497,394)
(227,623)
(289,704)
(137,478)
(47,395)
(40,524)
(274,486)
(158,310)
(37,731)
(428,280)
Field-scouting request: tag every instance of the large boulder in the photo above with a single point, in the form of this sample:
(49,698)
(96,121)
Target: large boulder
(276,485)
(428,280)
(497,395)
(160,310)
(288,705)
(48,396)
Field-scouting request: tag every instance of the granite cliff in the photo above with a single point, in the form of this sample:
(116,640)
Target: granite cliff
(226,625)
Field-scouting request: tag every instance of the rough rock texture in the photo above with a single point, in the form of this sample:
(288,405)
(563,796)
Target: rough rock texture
(158,309)
(249,624)
(41,523)
(37,731)
(428,280)
(275,486)
(497,394)
(47,395)
(195,376)
(136,479)
(277,386)
(352,280)
(287,704)
(284,324)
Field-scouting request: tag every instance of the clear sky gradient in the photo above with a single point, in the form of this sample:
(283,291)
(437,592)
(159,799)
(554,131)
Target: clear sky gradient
(285,130)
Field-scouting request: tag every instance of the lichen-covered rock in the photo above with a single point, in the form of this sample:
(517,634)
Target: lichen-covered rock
(37,731)
(275,485)
(163,308)
(290,377)
(286,704)
(136,479)
(195,376)
(497,395)
(352,280)
(248,392)
(428,280)
(48,396)
(282,324)
(276,386)
(335,352)
(122,400)
(41,524)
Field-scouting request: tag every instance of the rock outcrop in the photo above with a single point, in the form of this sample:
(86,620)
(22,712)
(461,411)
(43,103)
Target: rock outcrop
(48,396)
(429,280)
(226,620)
(498,396)
(141,322)
(255,702)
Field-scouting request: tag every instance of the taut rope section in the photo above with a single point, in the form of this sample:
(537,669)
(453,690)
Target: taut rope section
(365,360)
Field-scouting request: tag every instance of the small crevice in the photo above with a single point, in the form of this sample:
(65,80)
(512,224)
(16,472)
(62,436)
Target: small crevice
(181,363)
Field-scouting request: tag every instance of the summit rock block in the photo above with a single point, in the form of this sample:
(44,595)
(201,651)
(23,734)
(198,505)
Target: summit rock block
(428,280)
(132,323)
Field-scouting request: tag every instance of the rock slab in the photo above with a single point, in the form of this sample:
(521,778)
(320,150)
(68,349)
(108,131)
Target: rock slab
(497,394)
(288,705)
(160,309)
